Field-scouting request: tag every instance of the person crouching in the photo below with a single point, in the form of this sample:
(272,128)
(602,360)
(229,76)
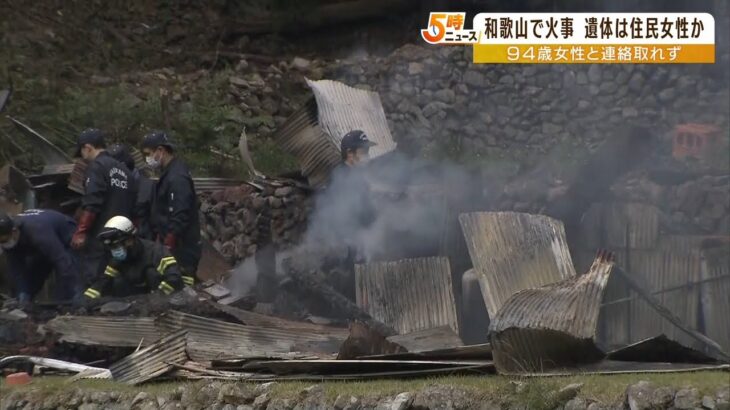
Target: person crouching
(136,265)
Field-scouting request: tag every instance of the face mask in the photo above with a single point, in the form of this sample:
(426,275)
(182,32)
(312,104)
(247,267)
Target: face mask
(119,253)
(152,162)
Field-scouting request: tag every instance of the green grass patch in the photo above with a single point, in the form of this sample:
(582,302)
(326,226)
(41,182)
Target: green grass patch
(605,389)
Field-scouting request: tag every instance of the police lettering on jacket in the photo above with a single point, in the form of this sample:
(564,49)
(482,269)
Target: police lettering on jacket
(109,191)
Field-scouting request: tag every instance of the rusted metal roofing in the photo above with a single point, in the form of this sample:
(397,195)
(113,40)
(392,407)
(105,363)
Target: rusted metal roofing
(515,251)
(51,154)
(214,339)
(715,263)
(442,337)
(313,133)
(152,361)
(551,326)
(409,295)
(107,331)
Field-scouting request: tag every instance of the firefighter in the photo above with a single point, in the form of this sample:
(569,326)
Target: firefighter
(108,191)
(174,211)
(37,242)
(135,266)
(145,187)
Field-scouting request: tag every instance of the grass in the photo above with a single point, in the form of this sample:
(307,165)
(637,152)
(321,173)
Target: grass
(605,389)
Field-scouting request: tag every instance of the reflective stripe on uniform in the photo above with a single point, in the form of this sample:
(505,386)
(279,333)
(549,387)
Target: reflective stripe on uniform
(92,293)
(188,280)
(109,271)
(165,263)
(166,287)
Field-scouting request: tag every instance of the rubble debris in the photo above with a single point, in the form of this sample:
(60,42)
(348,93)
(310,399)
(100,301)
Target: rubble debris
(152,361)
(620,367)
(115,306)
(364,341)
(659,349)
(409,295)
(55,364)
(512,252)
(312,134)
(214,339)
(347,367)
(550,326)
(473,352)
(320,298)
(435,338)
(16,192)
(256,319)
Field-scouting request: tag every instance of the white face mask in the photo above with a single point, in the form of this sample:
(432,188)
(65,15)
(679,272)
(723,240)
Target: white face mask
(152,162)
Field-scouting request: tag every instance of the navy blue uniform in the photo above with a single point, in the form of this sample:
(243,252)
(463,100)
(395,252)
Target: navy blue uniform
(109,191)
(44,245)
(175,213)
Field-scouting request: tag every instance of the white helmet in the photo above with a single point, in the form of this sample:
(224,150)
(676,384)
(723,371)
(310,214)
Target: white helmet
(117,229)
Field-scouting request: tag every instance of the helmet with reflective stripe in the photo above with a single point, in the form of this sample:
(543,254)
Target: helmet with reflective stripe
(116,230)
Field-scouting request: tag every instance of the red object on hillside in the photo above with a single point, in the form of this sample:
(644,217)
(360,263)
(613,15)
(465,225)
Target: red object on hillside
(17,379)
(693,140)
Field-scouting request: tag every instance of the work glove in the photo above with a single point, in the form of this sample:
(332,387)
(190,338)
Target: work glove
(86,220)
(170,242)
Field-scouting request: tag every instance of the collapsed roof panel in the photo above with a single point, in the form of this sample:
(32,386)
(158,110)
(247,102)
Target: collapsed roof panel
(106,331)
(553,325)
(313,133)
(152,361)
(515,251)
(214,339)
(52,155)
(659,349)
(409,295)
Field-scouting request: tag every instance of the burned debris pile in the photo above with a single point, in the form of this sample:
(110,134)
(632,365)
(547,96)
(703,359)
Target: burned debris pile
(278,302)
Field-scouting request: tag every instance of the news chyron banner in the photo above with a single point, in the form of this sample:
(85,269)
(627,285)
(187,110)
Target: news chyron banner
(575,38)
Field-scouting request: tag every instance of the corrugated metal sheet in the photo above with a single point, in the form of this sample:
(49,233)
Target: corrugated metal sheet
(331,367)
(442,337)
(714,295)
(107,331)
(553,325)
(301,136)
(257,319)
(152,361)
(313,133)
(614,225)
(342,109)
(409,295)
(617,367)
(515,251)
(214,339)
(675,261)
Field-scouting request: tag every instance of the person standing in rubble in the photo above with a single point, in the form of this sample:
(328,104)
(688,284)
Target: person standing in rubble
(108,191)
(36,243)
(174,210)
(349,179)
(145,187)
(136,265)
